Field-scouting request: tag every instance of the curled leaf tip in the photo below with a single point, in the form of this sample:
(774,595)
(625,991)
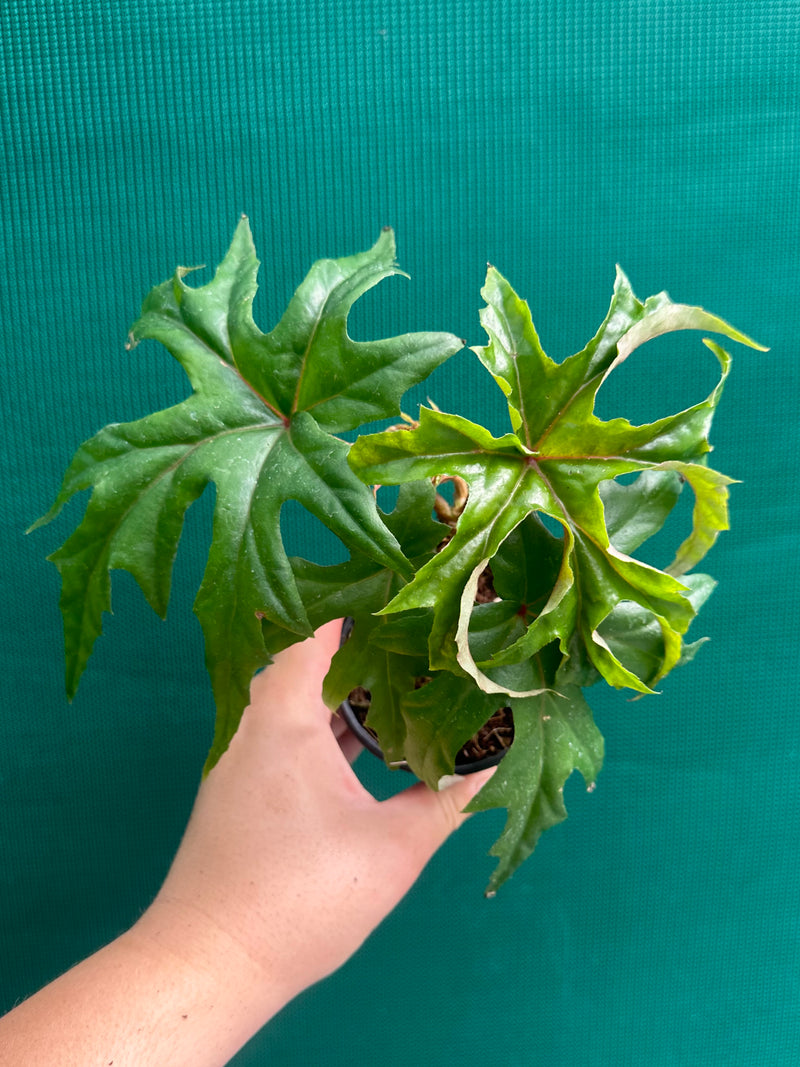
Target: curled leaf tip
(181,272)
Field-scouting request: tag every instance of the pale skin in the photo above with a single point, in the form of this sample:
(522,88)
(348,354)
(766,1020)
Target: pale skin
(286,867)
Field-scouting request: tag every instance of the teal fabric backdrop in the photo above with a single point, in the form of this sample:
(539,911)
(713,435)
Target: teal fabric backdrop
(659,925)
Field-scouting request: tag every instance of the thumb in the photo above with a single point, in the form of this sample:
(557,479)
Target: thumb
(432,816)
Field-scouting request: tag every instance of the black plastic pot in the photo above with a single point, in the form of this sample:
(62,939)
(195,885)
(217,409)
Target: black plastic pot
(370,742)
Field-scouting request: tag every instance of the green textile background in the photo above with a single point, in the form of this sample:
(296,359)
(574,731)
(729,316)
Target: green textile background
(660,924)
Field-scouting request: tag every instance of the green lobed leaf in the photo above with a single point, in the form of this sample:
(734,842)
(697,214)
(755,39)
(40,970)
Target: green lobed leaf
(635,637)
(439,718)
(527,565)
(636,511)
(554,462)
(259,425)
(554,734)
(361,585)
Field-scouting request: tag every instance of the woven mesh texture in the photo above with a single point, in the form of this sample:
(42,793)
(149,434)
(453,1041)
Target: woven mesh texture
(660,924)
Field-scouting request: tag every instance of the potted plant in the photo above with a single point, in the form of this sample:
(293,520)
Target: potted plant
(503,576)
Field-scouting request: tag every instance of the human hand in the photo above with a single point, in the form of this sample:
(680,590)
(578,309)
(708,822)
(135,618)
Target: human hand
(286,867)
(286,853)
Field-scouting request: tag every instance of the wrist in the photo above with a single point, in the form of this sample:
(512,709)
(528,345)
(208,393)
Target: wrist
(213,967)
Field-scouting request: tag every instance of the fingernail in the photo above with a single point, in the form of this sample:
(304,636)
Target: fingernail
(447,780)
(471,783)
(479,780)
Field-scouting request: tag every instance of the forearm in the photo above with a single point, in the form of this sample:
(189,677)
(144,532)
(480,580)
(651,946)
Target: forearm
(170,990)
